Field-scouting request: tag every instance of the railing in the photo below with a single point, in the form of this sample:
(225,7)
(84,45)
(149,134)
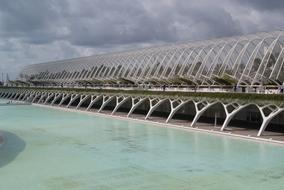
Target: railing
(173,88)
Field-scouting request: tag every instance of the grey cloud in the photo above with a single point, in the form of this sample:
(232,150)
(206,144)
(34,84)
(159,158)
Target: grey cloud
(263,5)
(98,23)
(34,31)
(31,20)
(128,21)
(203,21)
(119,22)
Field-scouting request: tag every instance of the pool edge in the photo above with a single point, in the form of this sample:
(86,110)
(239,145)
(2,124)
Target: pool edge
(172,126)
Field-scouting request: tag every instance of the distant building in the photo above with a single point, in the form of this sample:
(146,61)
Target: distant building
(249,60)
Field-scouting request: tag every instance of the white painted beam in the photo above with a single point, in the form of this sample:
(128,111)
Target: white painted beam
(154,104)
(175,108)
(135,101)
(119,102)
(83,98)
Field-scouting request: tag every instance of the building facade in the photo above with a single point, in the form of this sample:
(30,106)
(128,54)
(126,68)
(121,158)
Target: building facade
(249,60)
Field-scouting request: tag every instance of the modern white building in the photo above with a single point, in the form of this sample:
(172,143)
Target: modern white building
(248,60)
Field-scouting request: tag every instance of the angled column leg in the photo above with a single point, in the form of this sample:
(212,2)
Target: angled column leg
(20,97)
(119,102)
(200,110)
(154,104)
(64,97)
(231,110)
(49,97)
(135,101)
(30,97)
(273,112)
(25,97)
(57,96)
(106,100)
(73,98)
(13,97)
(175,106)
(94,99)
(10,95)
(35,97)
(42,98)
(83,98)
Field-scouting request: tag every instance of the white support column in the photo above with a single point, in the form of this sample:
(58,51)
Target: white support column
(94,99)
(51,95)
(64,97)
(119,102)
(6,95)
(10,95)
(30,97)
(154,104)
(36,96)
(135,101)
(73,98)
(13,97)
(106,100)
(25,97)
(41,98)
(199,111)
(20,95)
(236,108)
(3,94)
(83,98)
(175,106)
(267,118)
(57,96)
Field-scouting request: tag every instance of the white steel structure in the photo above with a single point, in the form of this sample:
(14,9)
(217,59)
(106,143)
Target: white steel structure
(250,60)
(169,105)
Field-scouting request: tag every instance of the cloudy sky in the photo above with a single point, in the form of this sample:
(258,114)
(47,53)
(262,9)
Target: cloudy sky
(33,31)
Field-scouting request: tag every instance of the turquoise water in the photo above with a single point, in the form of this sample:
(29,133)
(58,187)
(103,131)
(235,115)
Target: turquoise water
(47,149)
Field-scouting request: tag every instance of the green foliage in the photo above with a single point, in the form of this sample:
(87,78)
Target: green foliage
(155,81)
(181,80)
(277,99)
(125,81)
(225,80)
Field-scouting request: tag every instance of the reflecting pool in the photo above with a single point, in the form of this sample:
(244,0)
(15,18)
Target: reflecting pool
(48,149)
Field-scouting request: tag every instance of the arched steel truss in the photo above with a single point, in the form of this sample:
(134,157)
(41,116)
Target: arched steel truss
(243,60)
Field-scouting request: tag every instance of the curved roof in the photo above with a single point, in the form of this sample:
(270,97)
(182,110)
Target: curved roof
(253,59)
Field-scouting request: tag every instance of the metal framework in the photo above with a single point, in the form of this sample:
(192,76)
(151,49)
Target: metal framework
(255,59)
(114,102)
